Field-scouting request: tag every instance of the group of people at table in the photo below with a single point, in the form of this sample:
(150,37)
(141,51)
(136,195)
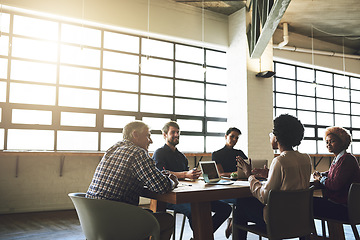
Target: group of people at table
(126,168)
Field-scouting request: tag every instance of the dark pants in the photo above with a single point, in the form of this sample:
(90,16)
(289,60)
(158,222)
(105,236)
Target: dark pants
(247,210)
(221,212)
(325,208)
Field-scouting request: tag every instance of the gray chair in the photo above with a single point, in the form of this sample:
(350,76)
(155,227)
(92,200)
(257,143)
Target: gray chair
(290,215)
(353,211)
(111,220)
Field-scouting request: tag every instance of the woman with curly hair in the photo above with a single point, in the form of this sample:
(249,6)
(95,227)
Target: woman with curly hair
(290,170)
(336,182)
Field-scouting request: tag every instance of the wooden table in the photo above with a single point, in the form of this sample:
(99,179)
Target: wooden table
(199,195)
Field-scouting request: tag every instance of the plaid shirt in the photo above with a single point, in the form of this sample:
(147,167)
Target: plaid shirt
(123,172)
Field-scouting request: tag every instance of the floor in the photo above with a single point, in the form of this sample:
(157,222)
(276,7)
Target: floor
(64,225)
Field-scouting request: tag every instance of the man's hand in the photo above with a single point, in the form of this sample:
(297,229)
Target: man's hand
(193,173)
(244,166)
(261,172)
(174,178)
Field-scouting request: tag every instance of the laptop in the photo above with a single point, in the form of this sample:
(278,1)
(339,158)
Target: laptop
(211,174)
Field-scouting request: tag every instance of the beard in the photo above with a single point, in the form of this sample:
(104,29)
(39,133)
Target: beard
(173,141)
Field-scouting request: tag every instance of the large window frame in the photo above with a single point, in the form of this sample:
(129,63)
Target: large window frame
(194,110)
(319,98)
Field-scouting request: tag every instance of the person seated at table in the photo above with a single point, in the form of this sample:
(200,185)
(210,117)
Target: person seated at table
(225,159)
(126,168)
(336,182)
(290,170)
(169,158)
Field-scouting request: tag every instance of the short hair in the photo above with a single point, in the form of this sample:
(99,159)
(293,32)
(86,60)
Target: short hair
(233,129)
(167,125)
(341,133)
(288,130)
(133,126)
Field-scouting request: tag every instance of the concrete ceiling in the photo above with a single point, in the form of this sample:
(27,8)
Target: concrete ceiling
(331,21)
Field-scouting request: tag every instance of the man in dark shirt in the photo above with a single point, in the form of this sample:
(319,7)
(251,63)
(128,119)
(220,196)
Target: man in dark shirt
(126,168)
(170,159)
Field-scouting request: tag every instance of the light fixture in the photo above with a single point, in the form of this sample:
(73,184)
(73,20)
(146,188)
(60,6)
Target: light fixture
(265,74)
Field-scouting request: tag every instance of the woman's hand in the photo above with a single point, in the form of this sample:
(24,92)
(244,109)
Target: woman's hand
(317,176)
(261,172)
(244,166)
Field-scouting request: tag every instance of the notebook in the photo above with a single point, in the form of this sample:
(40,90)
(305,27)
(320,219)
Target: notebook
(211,174)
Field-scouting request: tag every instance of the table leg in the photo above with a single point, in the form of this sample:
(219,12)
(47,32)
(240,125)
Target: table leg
(202,221)
(157,206)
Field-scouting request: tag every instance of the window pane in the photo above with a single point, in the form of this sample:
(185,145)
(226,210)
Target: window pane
(72,140)
(280,111)
(72,97)
(120,61)
(79,77)
(121,42)
(117,121)
(324,91)
(285,100)
(2,91)
(189,107)
(189,89)
(324,78)
(355,121)
(216,92)
(355,96)
(341,81)
(284,85)
(119,101)
(1,138)
(306,103)
(3,68)
(189,54)
(33,27)
(157,67)
(355,147)
(32,94)
(286,71)
(34,72)
(309,132)
(189,71)
(324,105)
(215,58)
(120,81)
(305,74)
(188,125)
(158,141)
(156,123)
(156,85)
(325,119)
(80,35)
(78,119)
(5,22)
(305,88)
(355,108)
(342,120)
(4,44)
(322,147)
(156,48)
(39,50)
(355,83)
(191,144)
(30,139)
(23,116)
(342,107)
(306,117)
(216,109)
(214,143)
(219,127)
(108,139)
(307,146)
(355,134)
(80,56)
(215,75)
(341,94)
(156,104)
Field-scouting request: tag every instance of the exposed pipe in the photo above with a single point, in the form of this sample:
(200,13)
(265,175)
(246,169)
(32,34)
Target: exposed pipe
(282,46)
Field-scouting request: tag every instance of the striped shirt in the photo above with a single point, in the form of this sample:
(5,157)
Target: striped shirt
(123,172)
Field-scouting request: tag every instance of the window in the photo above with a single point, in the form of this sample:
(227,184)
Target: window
(319,99)
(74,87)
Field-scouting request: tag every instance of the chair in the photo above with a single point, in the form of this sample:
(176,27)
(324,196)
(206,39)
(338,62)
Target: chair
(110,220)
(353,211)
(290,215)
(182,224)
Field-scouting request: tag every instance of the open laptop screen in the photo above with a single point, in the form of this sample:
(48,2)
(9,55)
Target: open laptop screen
(209,170)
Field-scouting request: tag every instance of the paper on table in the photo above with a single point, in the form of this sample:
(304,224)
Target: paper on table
(242,183)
